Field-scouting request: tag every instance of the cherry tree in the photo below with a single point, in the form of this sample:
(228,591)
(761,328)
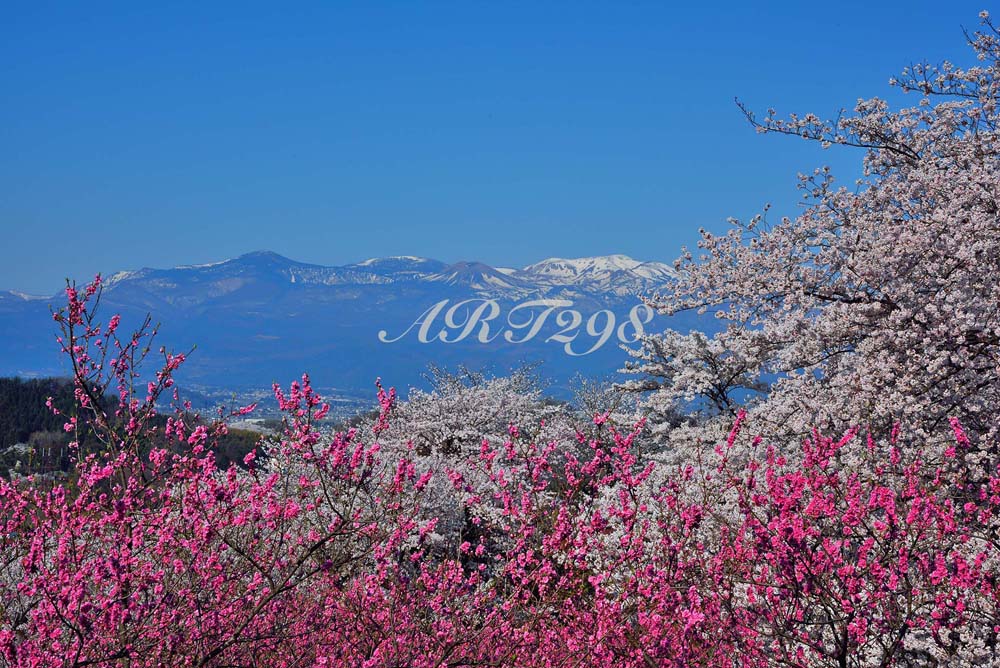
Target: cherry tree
(691,377)
(463,407)
(879,302)
(443,429)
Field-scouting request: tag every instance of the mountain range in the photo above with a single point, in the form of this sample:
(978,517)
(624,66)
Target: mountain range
(612,275)
(262,317)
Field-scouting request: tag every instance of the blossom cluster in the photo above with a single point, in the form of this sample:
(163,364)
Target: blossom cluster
(572,549)
(877,303)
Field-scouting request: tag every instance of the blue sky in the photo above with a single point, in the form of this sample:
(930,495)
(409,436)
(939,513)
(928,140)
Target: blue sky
(133,135)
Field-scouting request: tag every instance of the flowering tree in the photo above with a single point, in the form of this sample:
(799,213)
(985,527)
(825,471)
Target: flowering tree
(879,303)
(464,407)
(889,562)
(690,377)
(159,558)
(585,554)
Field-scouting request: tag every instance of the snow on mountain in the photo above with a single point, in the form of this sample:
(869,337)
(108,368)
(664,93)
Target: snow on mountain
(381,261)
(202,266)
(619,274)
(28,297)
(255,269)
(568,268)
(121,276)
(477,276)
(403,265)
(610,275)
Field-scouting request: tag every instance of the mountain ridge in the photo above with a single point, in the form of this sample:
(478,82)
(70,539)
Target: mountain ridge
(601,272)
(262,317)
(617,273)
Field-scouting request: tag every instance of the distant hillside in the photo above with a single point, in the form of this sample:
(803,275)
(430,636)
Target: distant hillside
(26,420)
(23,410)
(262,317)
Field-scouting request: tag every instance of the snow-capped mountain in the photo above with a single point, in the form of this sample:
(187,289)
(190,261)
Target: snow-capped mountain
(400,265)
(481,278)
(618,274)
(600,277)
(263,275)
(262,317)
(15,296)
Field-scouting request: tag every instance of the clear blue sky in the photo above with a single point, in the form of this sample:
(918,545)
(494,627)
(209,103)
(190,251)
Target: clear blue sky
(502,132)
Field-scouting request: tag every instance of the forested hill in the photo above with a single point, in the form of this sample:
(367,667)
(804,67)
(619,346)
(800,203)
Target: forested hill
(26,419)
(23,410)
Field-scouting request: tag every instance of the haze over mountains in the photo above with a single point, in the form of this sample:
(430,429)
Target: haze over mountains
(263,317)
